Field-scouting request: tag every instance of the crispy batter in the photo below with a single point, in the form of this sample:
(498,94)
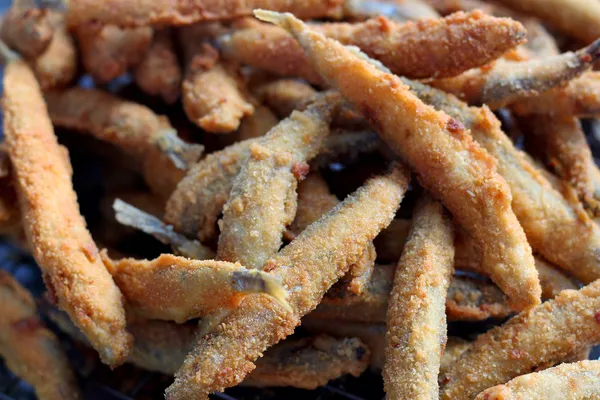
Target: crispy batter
(468,300)
(309,363)
(576,18)
(57,66)
(263,201)
(416,317)
(195,205)
(440,150)
(179,289)
(308,267)
(314,201)
(159,73)
(581,98)
(553,227)
(108,51)
(567,381)
(398,10)
(165,12)
(198,200)
(545,333)
(56,231)
(29,349)
(212,98)
(130,126)
(430,48)
(560,142)
(26,29)
(540,43)
(505,81)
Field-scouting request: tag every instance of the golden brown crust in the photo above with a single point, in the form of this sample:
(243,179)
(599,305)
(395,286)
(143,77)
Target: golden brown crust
(553,227)
(545,333)
(176,288)
(164,12)
(198,200)
(159,73)
(134,128)
(27,30)
(504,82)
(308,267)
(61,243)
(576,381)
(29,349)
(416,315)
(263,201)
(455,169)
(108,51)
(429,48)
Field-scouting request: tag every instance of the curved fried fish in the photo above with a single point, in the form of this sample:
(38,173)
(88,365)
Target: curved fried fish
(263,199)
(29,349)
(308,267)
(432,48)
(314,201)
(454,169)
(505,82)
(56,231)
(179,289)
(553,227)
(576,381)
(416,315)
(545,333)
(130,126)
(579,98)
